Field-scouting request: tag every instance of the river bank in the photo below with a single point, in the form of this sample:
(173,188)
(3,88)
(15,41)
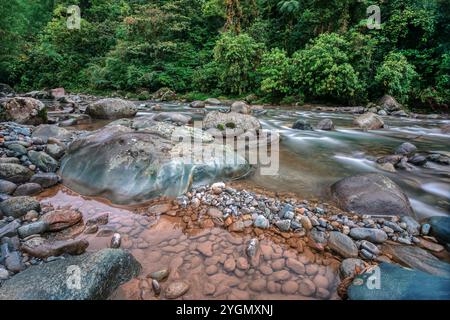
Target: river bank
(281,236)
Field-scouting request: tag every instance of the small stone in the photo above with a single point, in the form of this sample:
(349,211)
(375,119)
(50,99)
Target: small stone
(281,275)
(205,248)
(342,244)
(176,289)
(289,287)
(261,222)
(425,229)
(237,226)
(242,263)
(306,223)
(321,281)
(369,246)
(91,229)
(369,234)
(229,264)
(349,267)
(116,241)
(295,266)
(218,187)
(159,275)
(283,225)
(307,288)
(32,228)
(156,287)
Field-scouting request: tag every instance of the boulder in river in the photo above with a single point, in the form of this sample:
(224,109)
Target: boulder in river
(389,103)
(111,108)
(371,194)
(231,120)
(46,179)
(128,166)
(91,276)
(6,90)
(23,110)
(43,161)
(302,124)
(392,282)
(406,148)
(240,107)
(369,121)
(213,102)
(325,124)
(197,104)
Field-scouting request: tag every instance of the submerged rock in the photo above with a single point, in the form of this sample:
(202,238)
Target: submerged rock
(325,124)
(406,148)
(130,167)
(392,282)
(371,194)
(302,124)
(440,228)
(86,277)
(61,219)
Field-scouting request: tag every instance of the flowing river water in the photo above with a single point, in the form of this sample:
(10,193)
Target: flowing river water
(210,259)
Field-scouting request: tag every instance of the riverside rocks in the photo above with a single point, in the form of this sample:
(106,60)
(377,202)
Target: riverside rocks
(371,194)
(19,206)
(369,234)
(342,244)
(61,219)
(46,249)
(176,289)
(302,124)
(325,124)
(231,121)
(15,172)
(102,272)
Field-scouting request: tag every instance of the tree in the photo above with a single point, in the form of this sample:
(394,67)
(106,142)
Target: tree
(274,73)
(322,70)
(237,57)
(395,76)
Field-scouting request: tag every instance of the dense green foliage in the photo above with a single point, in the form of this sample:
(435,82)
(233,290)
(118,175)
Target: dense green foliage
(280,50)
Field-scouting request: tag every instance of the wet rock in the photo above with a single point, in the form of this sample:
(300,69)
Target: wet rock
(418,160)
(431,246)
(289,287)
(417,258)
(213,101)
(106,232)
(91,229)
(28,189)
(116,240)
(46,131)
(197,104)
(440,228)
(302,124)
(100,219)
(160,275)
(369,234)
(176,289)
(7,187)
(389,167)
(101,273)
(371,194)
(61,219)
(351,266)
(205,248)
(229,264)
(55,151)
(325,124)
(15,172)
(405,148)
(397,283)
(392,159)
(111,108)
(412,226)
(231,120)
(283,225)
(10,229)
(46,179)
(4,274)
(218,187)
(174,117)
(131,167)
(13,262)
(156,287)
(242,263)
(19,149)
(307,288)
(43,161)
(252,248)
(23,110)
(57,248)
(240,107)
(261,222)
(369,246)
(369,121)
(342,244)
(32,228)
(237,226)
(295,266)
(18,206)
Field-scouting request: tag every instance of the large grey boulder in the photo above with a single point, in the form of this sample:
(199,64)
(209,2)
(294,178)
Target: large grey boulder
(368,121)
(15,172)
(18,206)
(91,276)
(23,110)
(128,166)
(111,108)
(372,194)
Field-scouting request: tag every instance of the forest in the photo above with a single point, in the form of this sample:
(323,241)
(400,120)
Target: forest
(269,51)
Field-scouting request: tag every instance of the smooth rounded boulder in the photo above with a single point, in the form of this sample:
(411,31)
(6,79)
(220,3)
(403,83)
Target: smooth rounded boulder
(111,108)
(369,121)
(231,123)
(128,166)
(371,194)
(15,172)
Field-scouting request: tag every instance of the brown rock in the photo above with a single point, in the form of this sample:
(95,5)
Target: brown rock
(176,289)
(307,288)
(242,263)
(237,226)
(205,248)
(61,219)
(289,287)
(229,264)
(100,219)
(159,208)
(295,266)
(46,249)
(281,275)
